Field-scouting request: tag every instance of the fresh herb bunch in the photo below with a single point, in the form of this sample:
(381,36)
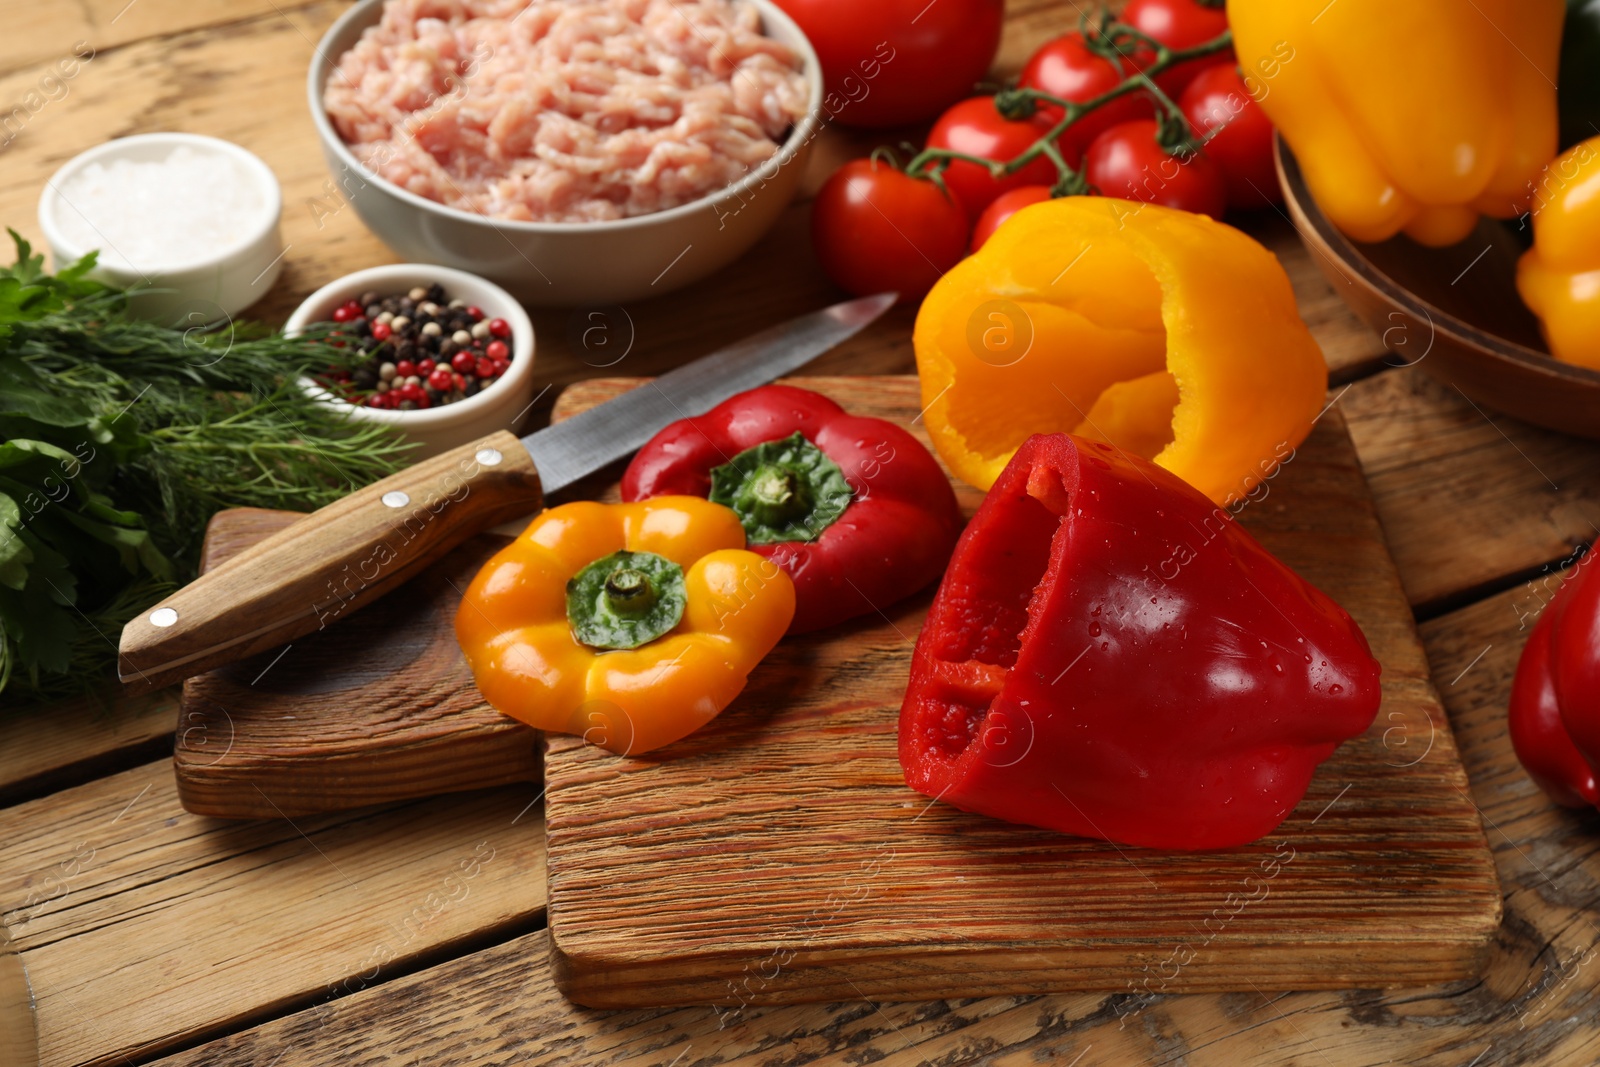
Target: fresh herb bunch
(118,441)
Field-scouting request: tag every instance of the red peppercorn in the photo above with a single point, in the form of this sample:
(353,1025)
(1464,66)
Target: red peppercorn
(376,401)
(463,362)
(405,368)
(499,328)
(441,379)
(425,368)
(459,380)
(381,331)
(343,314)
(497,350)
(475,313)
(484,369)
(422,400)
(501,366)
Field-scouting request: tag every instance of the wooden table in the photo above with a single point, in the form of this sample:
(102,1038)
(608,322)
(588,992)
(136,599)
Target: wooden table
(414,934)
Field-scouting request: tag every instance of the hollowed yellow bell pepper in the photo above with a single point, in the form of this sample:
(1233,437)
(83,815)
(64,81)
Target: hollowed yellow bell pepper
(1413,115)
(630,625)
(1166,334)
(1559,277)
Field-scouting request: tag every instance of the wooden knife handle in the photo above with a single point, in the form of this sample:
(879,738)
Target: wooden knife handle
(330,563)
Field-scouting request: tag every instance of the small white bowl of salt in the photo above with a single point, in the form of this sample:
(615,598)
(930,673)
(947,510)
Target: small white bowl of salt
(188,224)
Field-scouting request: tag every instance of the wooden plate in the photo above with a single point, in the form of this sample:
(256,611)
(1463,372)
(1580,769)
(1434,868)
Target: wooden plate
(1455,311)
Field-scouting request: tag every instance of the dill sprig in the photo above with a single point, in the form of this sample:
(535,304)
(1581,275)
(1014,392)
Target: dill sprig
(119,439)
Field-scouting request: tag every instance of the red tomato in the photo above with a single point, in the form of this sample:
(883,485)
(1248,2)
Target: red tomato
(1242,146)
(1065,67)
(1003,207)
(976,128)
(1179,24)
(1126,161)
(895,62)
(876,229)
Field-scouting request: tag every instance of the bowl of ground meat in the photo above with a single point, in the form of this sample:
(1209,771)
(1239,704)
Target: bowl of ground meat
(573,151)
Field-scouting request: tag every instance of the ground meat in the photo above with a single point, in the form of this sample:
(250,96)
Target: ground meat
(565,110)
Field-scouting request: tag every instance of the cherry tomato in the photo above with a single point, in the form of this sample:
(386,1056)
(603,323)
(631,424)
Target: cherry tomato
(1003,207)
(1065,67)
(895,62)
(1242,146)
(1127,162)
(876,229)
(1179,24)
(976,128)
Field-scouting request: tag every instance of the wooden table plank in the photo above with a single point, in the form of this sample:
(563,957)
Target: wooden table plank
(46,747)
(142,925)
(39,34)
(1470,499)
(1539,1003)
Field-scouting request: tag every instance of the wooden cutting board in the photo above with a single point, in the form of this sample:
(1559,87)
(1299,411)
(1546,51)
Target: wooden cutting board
(777,856)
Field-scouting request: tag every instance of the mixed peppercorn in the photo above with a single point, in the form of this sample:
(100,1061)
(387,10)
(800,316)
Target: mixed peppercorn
(422,350)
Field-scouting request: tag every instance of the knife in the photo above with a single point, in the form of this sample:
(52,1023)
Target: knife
(351,552)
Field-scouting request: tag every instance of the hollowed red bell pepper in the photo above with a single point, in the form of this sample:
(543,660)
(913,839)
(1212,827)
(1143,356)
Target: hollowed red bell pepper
(1555,700)
(1111,655)
(854,509)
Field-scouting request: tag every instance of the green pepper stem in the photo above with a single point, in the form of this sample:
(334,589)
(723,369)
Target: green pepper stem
(936,159)
(777,495)
(629,591)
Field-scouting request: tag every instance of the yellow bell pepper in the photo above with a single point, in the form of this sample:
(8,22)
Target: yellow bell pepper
(630,625)
(1413,115)
(1167,334)
(1559,277)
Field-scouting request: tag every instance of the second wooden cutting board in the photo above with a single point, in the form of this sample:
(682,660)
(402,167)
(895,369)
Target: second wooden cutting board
(778,856)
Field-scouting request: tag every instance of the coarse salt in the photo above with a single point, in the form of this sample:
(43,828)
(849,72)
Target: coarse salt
(160,214)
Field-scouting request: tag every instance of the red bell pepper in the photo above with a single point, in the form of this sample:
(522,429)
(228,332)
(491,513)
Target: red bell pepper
(1111,655)
(854,509)
(1555,699)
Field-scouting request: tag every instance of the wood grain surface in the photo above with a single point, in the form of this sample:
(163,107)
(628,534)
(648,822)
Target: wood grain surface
(142,926)
(1535,1004)
(779,857)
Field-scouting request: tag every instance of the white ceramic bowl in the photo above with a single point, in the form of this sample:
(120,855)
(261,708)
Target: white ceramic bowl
(562,264)
(502,406)
(207,289)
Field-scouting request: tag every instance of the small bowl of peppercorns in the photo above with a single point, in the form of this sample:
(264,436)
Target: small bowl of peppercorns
(445,356)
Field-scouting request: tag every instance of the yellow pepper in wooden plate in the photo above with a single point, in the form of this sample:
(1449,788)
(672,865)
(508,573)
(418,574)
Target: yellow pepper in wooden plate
(1559,277)
(1415,116)
(1167,334)
(630,625)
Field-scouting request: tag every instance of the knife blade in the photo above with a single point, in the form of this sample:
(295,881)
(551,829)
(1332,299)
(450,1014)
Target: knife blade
(347,554)
(588,441)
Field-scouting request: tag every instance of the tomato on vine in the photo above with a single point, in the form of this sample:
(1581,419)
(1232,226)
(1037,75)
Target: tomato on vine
(1237,133)
(894,62)
(875,228)
(975,127)
(1003,207)
(1067,67)
(1129,161)
(1178,24)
